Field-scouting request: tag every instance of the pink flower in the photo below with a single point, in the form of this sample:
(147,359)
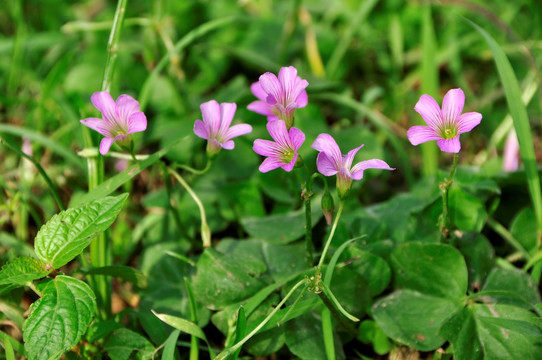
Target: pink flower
(444,126)
(215,127)
(120,119)
(279,97)
(331,162)
(283,151)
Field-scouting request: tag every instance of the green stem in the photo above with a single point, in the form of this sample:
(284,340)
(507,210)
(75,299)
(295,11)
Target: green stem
(307,196)
(227,352)
(330,237)
(336,314)
(205,231)
(40,170)
(444,221)
(508,237)
(196,171)
(93,152)
(100,252)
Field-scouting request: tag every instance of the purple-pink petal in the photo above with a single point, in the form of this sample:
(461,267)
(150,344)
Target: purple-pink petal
(261,107)
(201,130)
(257,90)
(325,165)
(265,147)
(137,122)
(468,121)
(428,108)
(227,112)
(452,105)
(126,106)
(449,145)
(302,100)
(297,138)
(238,130)
(105,145)
(103,101)
(210,112)
(279,133)
(357,170)
(270,163)
(349,158)
(420,134)
(271,85)
(325,143)
(228,145)
(288,167)
(98,125)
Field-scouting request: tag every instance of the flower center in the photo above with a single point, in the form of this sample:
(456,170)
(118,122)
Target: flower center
(449,132)
(287,156)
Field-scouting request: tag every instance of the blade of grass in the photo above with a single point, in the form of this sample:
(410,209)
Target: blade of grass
(180,45)
(339,51)
(54,146)
(170,345)
(8,348)
(240,330)
(194,344)
(6,142)
(521,121)
(429,85)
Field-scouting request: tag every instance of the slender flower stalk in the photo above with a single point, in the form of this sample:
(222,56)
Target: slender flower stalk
(444,220)
(283,151)
(205,230)
(331,162)
(215,127)
(329,238)
(279,97)
(443,125)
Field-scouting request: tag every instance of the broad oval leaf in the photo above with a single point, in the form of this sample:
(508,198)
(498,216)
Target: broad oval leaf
(22,270)
(68,233)
(433,269)
(59,318)
(413,318)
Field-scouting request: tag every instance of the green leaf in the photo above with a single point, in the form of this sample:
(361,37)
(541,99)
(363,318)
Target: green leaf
(240,329)
(220,281)
(68,233)
(433,269)
(372,268)
(466,211)
(304,339)
(370,332)
(413,318)
(521,121)
(514,281)
(523,229)
(479,256)
(280,228)
(8,347)
(123,343)
(100,329)
(127,273)
(59,318)
(22,270)
(497,332)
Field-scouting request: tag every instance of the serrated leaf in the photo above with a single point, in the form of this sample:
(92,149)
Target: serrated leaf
(22,270)
(68,233)
(59,318)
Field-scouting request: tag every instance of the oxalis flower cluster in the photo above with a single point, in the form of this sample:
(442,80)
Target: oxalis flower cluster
(278,98)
